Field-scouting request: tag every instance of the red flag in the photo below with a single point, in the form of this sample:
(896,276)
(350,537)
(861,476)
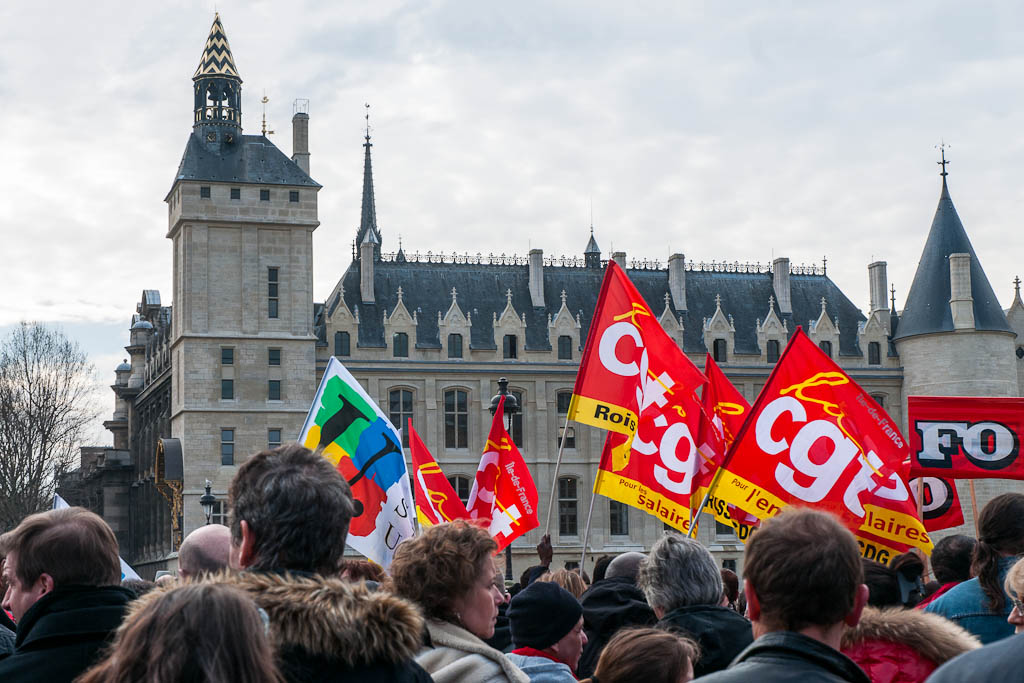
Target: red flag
(940,508)
(436,501)
(815,438)
(503,492)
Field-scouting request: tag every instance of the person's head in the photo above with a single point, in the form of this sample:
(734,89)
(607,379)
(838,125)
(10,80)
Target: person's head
(601,566)
(951,558)
(67,547)
(499,581)
(290,509)
(883,584)
(626,565)
(361,570)
(204,551)
(138,586)
(192,633)
(569,580)
(549,618)
(803,570)
(1014,586)
(909,569)
(679,572)
(448,570)
(649,655)
(1000,534)
(730,587)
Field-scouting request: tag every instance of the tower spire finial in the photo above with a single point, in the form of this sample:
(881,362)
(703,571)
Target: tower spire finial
(368,217)
(942,147)
(892,296)
(1016,286)
(367,105)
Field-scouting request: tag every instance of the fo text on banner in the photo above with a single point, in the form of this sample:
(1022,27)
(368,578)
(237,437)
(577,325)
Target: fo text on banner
(348,428)
(957,437)
(815,438)
(940,503)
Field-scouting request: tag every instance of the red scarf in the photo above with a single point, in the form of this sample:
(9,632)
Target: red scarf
(531,652)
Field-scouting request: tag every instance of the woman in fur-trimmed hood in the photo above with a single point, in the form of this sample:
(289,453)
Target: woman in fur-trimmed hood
(898,645)
(326,629)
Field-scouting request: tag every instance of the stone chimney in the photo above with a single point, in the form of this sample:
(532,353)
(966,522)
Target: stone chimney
(300,135)
(677,280)
(537,277)
(879,286)
(620,258)
(366,267)
(961,303)
(780,282)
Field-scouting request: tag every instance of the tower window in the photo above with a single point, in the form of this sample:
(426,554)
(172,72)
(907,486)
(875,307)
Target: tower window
(567,512)
(227,356)
(204,192)
(273,438)
(227,447)
(274,390)
(720,350)
(455,346)
(264,195)
(1020,352)
(565,347)
(293,196)
(400,345)
(227,389)
(826,346)
(874,353)
(509,349)
(456,418)
(236,193)
(772,350)
(272,291)
(273,356)
(342,344)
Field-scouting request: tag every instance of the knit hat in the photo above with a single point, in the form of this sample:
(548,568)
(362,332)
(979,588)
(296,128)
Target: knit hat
(542,614)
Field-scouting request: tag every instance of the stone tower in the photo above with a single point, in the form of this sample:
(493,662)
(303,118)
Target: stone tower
(953,338)
(241,217)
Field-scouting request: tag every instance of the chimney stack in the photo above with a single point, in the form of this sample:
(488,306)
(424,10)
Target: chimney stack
(780,282)
(366,267)
(879,286)
(961,303)
(620,258)
(537,277)
(300,134)
(677,280)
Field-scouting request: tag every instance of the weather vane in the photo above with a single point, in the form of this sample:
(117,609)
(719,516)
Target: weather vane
(367,105)
(942,147)
(264,101)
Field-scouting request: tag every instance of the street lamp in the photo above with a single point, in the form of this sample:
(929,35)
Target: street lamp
(510,409)
(207,501)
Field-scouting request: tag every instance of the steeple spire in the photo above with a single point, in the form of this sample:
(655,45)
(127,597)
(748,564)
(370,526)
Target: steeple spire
(368,219)
(218,90)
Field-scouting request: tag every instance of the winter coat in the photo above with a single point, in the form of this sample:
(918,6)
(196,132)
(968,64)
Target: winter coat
(608,605)
(1000,662)
(967,605)
(542,669)
(720,632)
(6,641)
(61,635)
(904,646)
(327,629)
(785,656)
(454,655)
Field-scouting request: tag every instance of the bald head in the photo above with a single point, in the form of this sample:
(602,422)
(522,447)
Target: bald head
(626,564)
(204,550)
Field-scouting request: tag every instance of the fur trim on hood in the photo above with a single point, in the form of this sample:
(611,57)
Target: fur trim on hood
(934,637)
(334,619)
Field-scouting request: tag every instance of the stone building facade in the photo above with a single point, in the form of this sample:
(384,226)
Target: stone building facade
(238,356)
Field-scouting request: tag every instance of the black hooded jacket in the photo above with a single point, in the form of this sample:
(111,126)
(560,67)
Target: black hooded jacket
(720,632)
(608,605)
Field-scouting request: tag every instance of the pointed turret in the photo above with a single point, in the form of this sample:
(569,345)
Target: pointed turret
(368,218)
(927,308)
(592,254)
(218,90)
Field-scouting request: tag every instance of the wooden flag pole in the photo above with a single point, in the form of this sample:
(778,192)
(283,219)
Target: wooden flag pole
(586,534)
(920,516)
(974,505)
(714,483)
(554,476)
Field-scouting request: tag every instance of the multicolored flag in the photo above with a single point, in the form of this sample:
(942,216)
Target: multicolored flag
(815,438)
(503,494)
(348,428)
(436,501)
(126,569)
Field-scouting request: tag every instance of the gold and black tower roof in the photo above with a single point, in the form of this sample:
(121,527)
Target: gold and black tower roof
(217,59)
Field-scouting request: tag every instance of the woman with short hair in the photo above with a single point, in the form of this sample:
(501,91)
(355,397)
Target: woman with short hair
(649,655)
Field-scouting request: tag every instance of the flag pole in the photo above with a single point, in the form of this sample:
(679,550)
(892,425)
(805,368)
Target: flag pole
(974,504)
(586,534)
(554,476)
(703,503)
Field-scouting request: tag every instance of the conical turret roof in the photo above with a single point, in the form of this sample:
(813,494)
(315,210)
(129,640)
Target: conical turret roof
(927,308)
(217,59)
(592,247)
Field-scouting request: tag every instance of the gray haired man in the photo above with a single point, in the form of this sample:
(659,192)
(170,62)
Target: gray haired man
(684,588)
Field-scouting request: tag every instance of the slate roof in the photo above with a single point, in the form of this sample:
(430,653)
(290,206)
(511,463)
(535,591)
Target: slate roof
(927,308)
(251,159)
(481,291)
(217,59)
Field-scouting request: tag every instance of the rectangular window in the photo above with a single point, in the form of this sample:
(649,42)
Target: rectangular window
(264,195)
(456,419)
(455,346)
(273,438)
(874,353)
(236,193)
(724,532)
(517,420)
(220,514)
(272,291)
(509,346)
(618,518)
(400,345)
(227,447)
(565,347)
(342,344)
(293,196)
(274,390)
(204,192)
(562,401)
(461,487)
(227,389)
(567,513)
(273,356)
(400,412)
(227,356)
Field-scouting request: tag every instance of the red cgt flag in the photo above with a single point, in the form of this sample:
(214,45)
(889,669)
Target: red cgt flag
(436,501)
(503,494)
(815,438)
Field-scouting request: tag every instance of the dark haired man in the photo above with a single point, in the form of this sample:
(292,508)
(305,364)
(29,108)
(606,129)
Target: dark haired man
(951,564)
(290,513)
(804,584)
(62,574)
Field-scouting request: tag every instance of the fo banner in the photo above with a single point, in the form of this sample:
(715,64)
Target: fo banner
(956,437)
(940,504)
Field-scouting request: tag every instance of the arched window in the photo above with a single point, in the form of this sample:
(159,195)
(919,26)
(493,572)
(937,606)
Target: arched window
(720,350)
(400,412)
(517,419)
(568,518)
(879,399)
(400,345)
(772,350)
(456,418)
(618,518)
(562,402)
(455,346)
(565,347)
(874,353)
(509,347)
(461,486)
(826,346)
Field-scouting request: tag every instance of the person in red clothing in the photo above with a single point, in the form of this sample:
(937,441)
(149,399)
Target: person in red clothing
(951,564)
(547,631)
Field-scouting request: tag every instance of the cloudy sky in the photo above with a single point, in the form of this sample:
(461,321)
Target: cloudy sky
(726,131)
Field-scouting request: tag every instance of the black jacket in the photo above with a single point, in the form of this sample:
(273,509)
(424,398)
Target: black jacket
(786,656)
(60,636)
(998,661)
(721,633)
(608,605)
(332,630)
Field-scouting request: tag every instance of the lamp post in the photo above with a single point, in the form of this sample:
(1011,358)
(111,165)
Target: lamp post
(207,501)
(510,409)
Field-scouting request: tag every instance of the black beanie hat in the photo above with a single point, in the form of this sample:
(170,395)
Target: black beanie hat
(542,614)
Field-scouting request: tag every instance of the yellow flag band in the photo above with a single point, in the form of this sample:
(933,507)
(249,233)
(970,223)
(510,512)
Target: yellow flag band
(637,495)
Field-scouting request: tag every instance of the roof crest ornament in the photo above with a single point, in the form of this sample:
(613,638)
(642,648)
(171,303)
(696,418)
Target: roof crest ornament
(1016,286)
(563,297)
(892,295)
(942,147)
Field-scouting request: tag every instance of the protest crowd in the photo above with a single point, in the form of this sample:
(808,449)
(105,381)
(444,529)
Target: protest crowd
(271,598)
